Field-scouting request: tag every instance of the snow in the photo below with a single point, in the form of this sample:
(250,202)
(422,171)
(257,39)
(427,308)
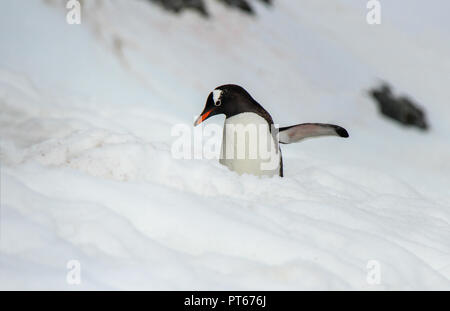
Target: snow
(87,171)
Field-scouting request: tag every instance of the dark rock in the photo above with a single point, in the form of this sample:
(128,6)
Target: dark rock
(178,6)
(401,109)
(240,4)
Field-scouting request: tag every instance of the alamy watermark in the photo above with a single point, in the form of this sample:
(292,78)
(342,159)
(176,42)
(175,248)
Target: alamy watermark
(73,276)
(240,142)
(373,17)
(73,17)
(373,272)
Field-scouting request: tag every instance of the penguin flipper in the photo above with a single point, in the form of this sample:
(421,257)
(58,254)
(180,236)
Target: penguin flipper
(295,133)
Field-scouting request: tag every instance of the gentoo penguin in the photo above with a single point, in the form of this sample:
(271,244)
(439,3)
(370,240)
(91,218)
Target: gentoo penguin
(250,140)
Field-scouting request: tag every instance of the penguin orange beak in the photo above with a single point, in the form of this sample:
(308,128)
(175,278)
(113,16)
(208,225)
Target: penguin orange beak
(203,117)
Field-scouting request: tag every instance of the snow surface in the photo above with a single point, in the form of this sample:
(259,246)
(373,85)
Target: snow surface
(87,173)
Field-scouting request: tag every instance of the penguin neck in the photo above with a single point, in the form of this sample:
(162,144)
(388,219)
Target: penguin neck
(248,118)
(250,108)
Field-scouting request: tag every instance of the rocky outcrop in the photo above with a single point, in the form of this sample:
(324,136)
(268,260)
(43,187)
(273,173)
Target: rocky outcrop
(401,109)
(177,6)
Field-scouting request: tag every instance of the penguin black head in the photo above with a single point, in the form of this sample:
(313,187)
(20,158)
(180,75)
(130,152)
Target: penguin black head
(230,100)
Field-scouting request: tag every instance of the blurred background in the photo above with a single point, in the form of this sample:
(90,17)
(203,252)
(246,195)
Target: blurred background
(86,117)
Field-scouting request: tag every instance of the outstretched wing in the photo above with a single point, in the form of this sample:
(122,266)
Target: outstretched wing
(295,133)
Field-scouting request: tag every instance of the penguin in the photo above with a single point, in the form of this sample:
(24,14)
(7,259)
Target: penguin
(251,141)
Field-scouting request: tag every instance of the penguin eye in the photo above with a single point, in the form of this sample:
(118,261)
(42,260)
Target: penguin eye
(218,103)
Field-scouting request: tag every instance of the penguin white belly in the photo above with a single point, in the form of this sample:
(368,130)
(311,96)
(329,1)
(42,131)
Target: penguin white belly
(248,146)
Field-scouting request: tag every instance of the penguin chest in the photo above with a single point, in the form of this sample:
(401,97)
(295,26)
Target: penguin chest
(249,147)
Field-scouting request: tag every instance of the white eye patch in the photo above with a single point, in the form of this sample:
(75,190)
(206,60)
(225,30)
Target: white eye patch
(216,95)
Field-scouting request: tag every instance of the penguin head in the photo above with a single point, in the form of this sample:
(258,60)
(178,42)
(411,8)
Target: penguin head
(229,99)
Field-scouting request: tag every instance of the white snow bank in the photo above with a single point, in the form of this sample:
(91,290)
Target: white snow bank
(87,171)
